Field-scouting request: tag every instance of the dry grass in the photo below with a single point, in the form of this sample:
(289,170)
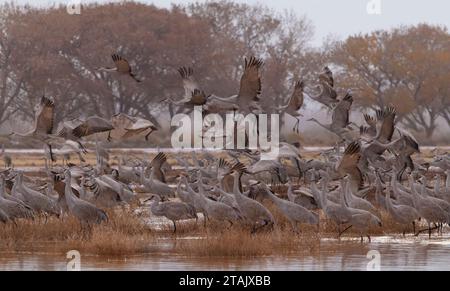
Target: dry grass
(127,234)
(239,242)
(123,234)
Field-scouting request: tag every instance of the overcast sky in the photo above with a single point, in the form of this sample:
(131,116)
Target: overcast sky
(331,17)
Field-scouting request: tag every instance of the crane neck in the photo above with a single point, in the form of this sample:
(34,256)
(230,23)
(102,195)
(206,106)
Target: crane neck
(437,184)
(447,181)
(388,198)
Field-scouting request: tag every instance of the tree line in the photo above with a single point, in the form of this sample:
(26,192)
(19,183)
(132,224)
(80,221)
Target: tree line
(49,51)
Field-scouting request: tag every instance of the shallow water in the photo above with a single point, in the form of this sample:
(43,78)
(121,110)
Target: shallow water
(394,254)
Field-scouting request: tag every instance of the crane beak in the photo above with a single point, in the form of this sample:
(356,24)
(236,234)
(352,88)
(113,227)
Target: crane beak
(149,199)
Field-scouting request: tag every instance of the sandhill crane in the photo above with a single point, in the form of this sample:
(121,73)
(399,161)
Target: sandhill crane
(4,218)
(174,211)
(379,199)
(293,212)
(354,201)
(102,158)
(327,95)
(121,66)
(215,210)
(348,165)
(193,95)
(250,87)
(191,198)
(340,119)
(371,130)
(316,192)
(378,134)
(60,186)
(226,198)
(272,169)
(207,171)
(157,165)
(12,208)
(155,186)
(125,193)
(361,220)
(39,202)
(72,147)
(385,123)
(14,198)
(410,147)
(252,211)
(225,174)
(126,126)
(327,76)
(438,191)
(437,186)
(43,124)
(303,199)
(333,211)
(103,194)
(78,128)
(84,211)
(427,209)
(402,214)
(440,202)
(447,180)
(294,104)
(441,162)
(7,160)
(402,196)
(127,174)
(246,101)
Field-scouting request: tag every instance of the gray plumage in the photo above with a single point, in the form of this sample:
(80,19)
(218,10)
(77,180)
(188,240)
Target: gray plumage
(39,202)
(12,208)
(84,211)
(174,211)
(402,214)
(293,212)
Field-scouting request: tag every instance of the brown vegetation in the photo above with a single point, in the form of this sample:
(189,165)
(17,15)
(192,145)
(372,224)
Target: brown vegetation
(127,234)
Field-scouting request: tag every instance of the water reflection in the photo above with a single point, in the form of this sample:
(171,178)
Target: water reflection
(396,254)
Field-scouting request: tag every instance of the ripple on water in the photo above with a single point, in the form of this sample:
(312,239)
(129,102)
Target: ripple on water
(410,253)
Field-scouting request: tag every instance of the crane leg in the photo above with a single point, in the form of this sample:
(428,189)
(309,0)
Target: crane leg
(342,232)
(205,217)
(146,137)
(294,227)
(296,125)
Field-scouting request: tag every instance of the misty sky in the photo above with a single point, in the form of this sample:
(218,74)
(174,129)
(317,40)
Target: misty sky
(331,17)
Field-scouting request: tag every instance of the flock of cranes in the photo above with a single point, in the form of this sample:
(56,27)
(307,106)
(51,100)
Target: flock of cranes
(351,188)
